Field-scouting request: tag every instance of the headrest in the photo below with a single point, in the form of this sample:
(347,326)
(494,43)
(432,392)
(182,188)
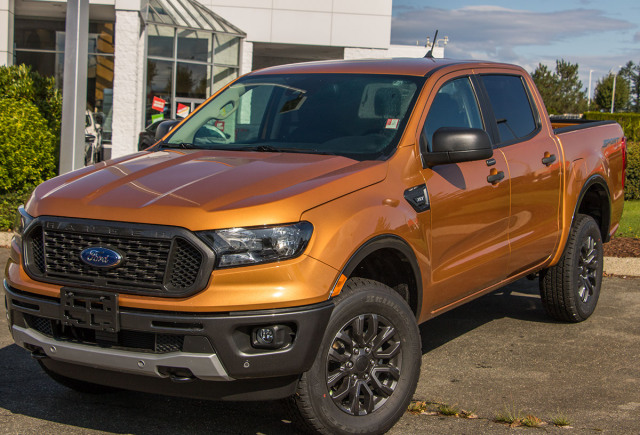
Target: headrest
(387,103)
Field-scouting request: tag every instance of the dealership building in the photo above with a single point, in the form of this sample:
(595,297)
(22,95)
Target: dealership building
(154,59)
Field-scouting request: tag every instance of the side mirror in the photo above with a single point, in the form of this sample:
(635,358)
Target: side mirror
(456,145)
(164,128)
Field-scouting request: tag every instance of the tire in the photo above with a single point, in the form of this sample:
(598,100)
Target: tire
(570,289)
(379,366)
(78,385)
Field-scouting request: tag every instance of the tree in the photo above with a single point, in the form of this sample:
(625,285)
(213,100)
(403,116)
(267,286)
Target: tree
(561,90)
(603,93)
(631,73)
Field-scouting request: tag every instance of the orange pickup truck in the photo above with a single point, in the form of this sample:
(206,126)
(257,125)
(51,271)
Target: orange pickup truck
(288,237)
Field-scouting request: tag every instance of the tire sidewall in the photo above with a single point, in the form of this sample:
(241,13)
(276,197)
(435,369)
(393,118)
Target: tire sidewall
(390,305)
(587,227)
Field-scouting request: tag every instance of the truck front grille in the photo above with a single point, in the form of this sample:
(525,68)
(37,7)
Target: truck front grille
(164,261)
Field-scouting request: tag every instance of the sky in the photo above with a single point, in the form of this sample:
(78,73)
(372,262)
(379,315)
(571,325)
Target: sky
(598,35)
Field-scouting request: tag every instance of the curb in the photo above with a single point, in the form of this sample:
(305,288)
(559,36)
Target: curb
(5,239)
(622,266)
(627,266)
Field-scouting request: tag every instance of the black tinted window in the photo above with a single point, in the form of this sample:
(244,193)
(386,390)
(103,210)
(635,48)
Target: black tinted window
(511,106)
(455,105)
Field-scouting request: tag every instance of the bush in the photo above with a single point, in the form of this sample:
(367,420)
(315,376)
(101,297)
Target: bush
(27,147)
(20,83)
(630,122)
(9,204)
(30,116)
(632,183)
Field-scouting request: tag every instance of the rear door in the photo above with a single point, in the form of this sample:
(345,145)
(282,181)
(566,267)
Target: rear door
(533,158)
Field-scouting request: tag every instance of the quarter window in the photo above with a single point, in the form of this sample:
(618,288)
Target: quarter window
(511,106)
(455,105)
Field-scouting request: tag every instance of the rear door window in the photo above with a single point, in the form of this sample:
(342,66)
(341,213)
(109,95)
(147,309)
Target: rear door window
(511,106)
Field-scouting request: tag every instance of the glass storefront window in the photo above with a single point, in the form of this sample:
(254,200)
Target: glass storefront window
(37,34)
(192,80)
(223,75)
(101,38)
(194,45)
(159,86)
(160,41)
(227,49)
(204,55)
(43,63)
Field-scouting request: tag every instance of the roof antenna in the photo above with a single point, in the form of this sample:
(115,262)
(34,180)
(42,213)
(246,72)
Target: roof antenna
(429,54)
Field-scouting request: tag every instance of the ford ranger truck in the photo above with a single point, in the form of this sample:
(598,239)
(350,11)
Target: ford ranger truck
(288,237)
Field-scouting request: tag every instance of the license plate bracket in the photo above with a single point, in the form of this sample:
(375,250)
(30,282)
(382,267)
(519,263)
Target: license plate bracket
(90,309)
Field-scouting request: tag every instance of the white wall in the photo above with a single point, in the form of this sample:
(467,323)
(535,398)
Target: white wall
(342,23)
(6,32)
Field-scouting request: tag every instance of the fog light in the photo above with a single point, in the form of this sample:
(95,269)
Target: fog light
(271,337)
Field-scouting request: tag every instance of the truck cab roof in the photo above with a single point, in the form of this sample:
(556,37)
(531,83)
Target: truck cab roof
(419,67)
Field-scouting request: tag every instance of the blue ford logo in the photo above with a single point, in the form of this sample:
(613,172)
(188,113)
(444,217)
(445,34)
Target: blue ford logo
(98,256)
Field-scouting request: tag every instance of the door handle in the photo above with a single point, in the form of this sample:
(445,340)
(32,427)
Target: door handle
(548,159)
(494,178)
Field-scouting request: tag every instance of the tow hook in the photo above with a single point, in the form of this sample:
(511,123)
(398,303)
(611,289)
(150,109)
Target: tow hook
(38,354)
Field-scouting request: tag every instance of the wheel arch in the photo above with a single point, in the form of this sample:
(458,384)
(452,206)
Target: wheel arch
(390,260)
(595,201)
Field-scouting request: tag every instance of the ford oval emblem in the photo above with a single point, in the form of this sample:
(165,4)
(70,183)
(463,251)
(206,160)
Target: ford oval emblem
(98,256)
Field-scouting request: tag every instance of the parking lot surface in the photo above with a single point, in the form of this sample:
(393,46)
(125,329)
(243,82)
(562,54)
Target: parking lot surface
(499,354)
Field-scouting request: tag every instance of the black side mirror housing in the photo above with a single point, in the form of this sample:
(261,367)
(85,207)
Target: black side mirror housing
(164,128)
(457,144)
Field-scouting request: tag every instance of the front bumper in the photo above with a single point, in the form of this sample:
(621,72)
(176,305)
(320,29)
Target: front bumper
(179,346)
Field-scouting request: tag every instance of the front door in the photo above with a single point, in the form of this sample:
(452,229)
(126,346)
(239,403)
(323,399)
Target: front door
(469,213)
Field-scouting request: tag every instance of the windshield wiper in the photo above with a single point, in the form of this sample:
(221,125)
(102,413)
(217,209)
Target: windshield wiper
(182,145)
(272,149)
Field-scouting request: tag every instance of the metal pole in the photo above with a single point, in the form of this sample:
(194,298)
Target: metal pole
(74,87)
(589,99)
(613,94)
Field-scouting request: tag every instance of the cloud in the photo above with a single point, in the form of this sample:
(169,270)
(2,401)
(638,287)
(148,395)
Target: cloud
(490,30)
(636,37)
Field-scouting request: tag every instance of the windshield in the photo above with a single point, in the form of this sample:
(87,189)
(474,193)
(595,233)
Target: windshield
(352,115)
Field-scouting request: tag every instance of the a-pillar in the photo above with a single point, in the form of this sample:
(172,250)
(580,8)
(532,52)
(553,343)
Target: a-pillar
(6,32)
(128,76)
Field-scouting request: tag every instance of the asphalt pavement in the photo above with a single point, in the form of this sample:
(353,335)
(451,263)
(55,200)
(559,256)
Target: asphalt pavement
(499,354)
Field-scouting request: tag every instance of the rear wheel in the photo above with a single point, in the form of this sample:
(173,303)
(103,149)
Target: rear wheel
(571,288)
(367,367)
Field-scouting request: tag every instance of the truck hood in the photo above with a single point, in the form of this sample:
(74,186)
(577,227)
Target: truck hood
(199,189)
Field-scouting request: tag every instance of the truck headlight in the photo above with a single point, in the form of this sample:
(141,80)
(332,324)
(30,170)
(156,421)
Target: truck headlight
(244,246)
(22,221)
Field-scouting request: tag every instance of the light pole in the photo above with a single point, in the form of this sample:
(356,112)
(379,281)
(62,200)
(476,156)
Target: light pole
(613,94)
(589,98)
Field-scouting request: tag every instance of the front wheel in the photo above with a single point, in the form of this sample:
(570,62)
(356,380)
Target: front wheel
(571,288)
(367,367)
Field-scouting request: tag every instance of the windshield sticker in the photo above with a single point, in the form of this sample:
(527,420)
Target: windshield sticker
(219,125)
(392,123)
(183,110)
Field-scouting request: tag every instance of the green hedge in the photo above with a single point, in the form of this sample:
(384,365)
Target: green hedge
(27,147)
(30,115)
(630,122)
(9,203)
(632,183)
